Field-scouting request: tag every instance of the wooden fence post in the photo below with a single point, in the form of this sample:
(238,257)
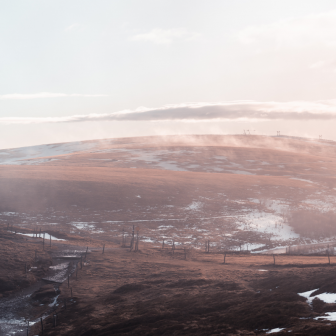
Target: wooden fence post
(68,280)
(86,252)
(163,244)
(103,248)
(224,257)
(123,238)
(137,241)
(328,256)
(132,241)
(42,325)
(274,258)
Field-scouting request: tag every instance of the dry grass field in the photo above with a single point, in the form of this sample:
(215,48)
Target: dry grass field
(237,193)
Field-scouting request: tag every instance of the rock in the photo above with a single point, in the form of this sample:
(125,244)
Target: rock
(45,294)
(6,285)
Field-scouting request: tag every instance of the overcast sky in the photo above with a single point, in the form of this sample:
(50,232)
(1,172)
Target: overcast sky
(84,69)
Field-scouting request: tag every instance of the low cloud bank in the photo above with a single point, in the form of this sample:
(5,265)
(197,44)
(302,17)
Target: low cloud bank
(233,110)
(18,96)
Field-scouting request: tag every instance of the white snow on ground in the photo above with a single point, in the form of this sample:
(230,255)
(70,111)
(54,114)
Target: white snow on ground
(18,156)
(86,226)
(267,223)
(154,158)
(18,322)
(147,240)
(39,154)
(47,236)
(240,172)
(274,330)
(326,297)
(218,169)
(321,205)
(194,206)
(170,165)
(83,225)
(307,294)
(54,302)
(164,227)
(329,317)
(254,200)
(279,207)
(60,266)
(303,180)
(277,250)
(249,246)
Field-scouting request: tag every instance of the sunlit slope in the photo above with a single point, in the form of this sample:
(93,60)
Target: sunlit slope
(242,155)
(25,188)
(188,187)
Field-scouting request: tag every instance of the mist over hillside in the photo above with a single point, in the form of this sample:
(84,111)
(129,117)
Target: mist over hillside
(255,191)
(190,230)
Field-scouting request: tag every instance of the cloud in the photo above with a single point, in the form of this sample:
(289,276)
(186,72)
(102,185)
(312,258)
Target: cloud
(312,30)
(72,27)
(326,65)
(45,95)
(165,36)
(231,110)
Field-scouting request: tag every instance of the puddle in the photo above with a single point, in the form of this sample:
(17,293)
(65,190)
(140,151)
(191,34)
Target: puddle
(47,236)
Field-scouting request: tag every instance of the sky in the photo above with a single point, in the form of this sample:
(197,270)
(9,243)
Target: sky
(81,69)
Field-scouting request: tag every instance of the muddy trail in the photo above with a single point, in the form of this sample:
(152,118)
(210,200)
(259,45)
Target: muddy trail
(30,280)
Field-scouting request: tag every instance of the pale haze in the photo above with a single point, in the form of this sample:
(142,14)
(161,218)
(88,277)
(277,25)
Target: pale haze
(78,70)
